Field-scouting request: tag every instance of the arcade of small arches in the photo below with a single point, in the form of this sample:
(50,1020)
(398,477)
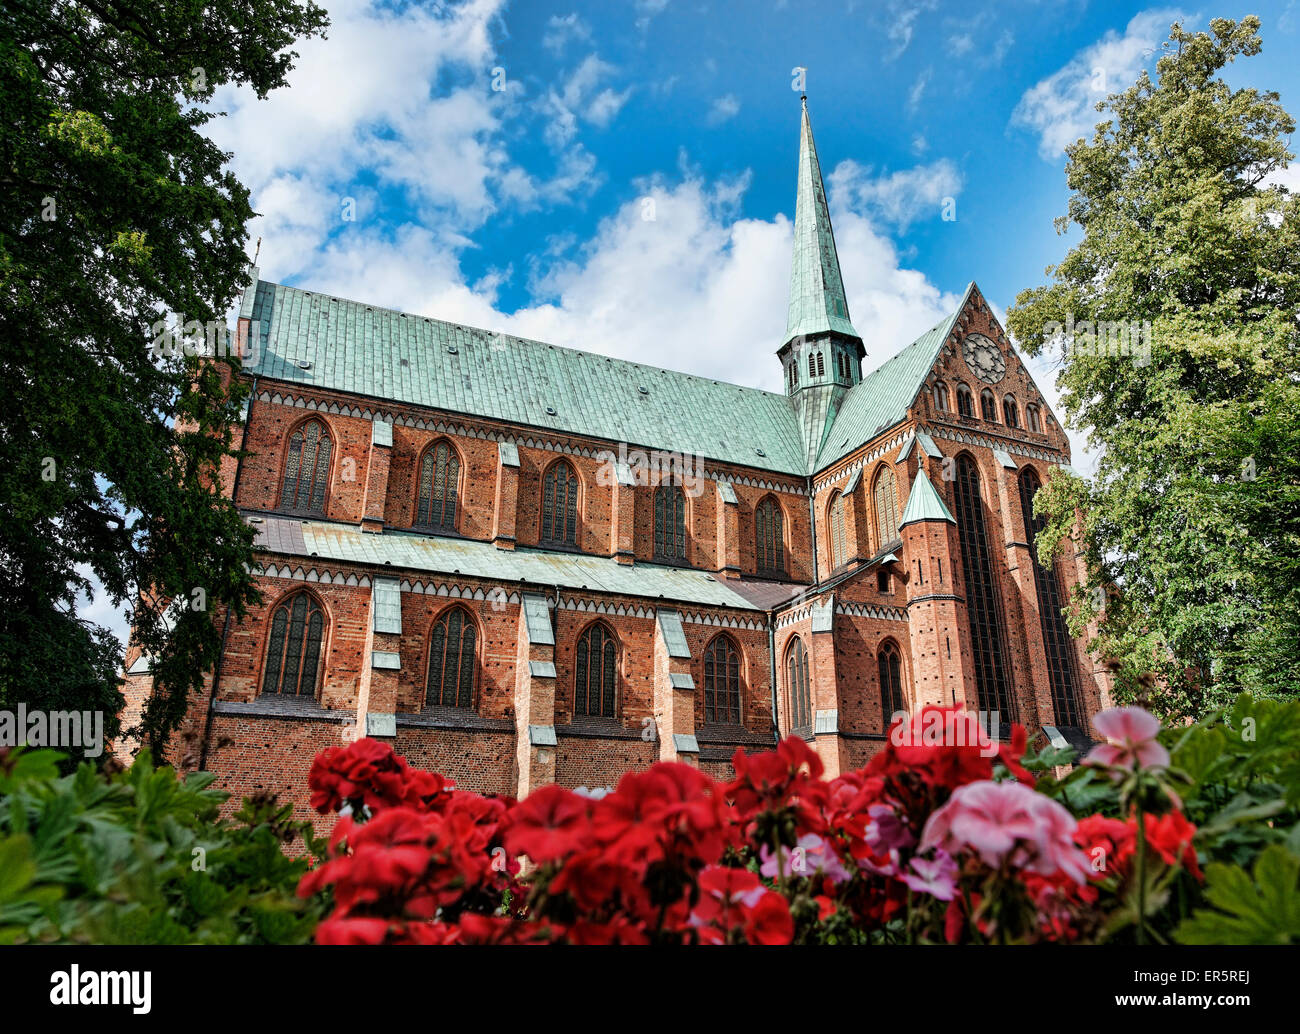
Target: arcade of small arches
(989,407)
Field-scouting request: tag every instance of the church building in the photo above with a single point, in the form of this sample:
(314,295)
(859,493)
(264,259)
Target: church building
(521,564)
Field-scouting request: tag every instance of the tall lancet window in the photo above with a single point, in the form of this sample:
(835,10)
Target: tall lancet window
(670,523)
(1056,639)
(293,647)
(722,681)
(769,538)
(886,499)
(306,469)
(595,667)
(890,664)
(451,660)
(798,697)
(560,506)
(838,535)
(439,484)
(983,600)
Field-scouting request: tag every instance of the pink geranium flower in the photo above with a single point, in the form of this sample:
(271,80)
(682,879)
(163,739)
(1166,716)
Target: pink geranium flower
(1130,734)
(815,856)
(1008,822)
(936,877)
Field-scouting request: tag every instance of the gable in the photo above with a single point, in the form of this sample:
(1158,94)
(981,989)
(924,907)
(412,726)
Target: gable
(883,397)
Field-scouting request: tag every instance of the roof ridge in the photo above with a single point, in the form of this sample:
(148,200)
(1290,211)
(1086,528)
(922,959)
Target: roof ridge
(526,340)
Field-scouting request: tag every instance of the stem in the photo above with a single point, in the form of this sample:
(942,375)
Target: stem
(1142,877)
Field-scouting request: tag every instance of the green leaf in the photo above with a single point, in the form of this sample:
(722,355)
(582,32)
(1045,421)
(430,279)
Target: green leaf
(1262,910)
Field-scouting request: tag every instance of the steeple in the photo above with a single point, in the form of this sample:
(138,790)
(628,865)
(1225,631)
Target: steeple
(817,302)
(822,352)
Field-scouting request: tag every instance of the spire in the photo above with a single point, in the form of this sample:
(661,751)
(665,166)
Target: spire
(817,303)
(924,503)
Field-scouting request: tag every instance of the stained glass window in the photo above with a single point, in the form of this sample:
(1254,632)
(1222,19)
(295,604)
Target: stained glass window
(983,600)
(294,646)
(595,670)
(560,506)
(670,523)
(306,469)
(452,660)
(439,485)
(722,681)
(769,538)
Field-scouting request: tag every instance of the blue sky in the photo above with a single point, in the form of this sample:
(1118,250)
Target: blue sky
(620,176)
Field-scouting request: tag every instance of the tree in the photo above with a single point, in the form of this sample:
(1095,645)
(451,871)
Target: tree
(119,215)
(1176,312)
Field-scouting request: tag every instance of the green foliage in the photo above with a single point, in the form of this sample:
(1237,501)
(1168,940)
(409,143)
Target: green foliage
(1192,522)
(141,857)
(119,213)
(1259,908)
(1236,774)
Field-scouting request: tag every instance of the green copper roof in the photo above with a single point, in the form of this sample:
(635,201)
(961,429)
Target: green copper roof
(817,302)
(883,396)
(310,543)
(924,504)
(326,342)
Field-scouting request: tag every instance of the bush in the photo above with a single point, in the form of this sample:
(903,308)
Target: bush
(942,837)
(140,857)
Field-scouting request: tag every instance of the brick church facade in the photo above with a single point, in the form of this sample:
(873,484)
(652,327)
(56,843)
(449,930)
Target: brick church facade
(522,564)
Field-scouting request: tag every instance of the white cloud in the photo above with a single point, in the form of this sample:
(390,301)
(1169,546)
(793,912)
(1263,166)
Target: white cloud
(902,25)
(581,97)
(918,89)
(561,29)
(1061,108)
(724,108)
(897,198)
(647,10)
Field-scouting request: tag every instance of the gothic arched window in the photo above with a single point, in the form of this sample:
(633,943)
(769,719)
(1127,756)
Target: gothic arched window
(595,669)
(769,537)
(722,681)
(965,403)
(670,523)
(983,600)
(812,364)
(452,660)
(307,469)
(293,647)
(838,537)
(1010,413)
(941,396)
(799,699)
(890,664)
(886,501)
(1056,639)
(560,506)
(438,488)
(1031,419)
(988,406)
